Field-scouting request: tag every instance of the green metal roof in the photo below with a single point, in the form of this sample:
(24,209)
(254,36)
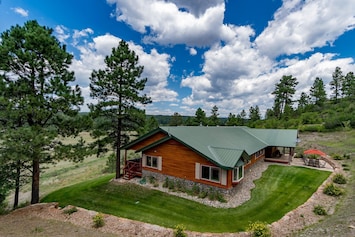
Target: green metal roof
(225,146)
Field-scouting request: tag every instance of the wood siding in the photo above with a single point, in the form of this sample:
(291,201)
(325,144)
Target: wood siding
(149,140)
(180,161)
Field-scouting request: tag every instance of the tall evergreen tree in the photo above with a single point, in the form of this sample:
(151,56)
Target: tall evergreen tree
(348,86)
(213,119)
(38,96)
(303,102)
(336,83)
(176,120)
(284,92)
(318,93)
(200,117)
(242,117)
(231,120)
(254,113)
(118,90)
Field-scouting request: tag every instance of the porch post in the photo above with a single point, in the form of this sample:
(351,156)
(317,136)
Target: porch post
(125,161)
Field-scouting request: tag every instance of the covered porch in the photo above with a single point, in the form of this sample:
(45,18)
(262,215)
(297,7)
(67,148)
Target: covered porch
(281,155)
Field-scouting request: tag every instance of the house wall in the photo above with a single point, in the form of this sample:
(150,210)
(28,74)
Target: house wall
(148,141)
(253,159)
(180,161)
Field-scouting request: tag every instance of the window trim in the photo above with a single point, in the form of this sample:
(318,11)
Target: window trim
(237,168)
(158,162)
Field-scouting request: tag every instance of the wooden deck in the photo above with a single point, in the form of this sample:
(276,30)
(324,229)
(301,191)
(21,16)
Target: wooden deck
(133,168)
(284,159)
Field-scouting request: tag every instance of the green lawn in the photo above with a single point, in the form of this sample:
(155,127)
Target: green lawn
(281,189)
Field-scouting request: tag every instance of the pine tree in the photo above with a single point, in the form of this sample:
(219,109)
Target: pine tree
(284,92)
(213,119)
(118,90)
(200,118)
(336,83)
(38,97)
(318,93)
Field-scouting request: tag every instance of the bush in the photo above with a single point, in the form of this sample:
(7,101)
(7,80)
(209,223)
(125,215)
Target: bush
(339,179)
(196,190)
(332,190)
(166,183)
(98,220)
(319,210)
(259,229)
(179,231)
(203,194)
(70,210)
(337,157)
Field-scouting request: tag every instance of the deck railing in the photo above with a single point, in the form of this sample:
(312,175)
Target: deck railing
(133,168)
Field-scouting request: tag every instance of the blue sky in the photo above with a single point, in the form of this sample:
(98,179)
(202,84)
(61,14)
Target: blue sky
(202,53)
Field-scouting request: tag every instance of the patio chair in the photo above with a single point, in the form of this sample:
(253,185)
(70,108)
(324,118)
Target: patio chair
(311,162)
(305,160)
(316,163)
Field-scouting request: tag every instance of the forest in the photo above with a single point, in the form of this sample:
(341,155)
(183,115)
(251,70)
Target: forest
(313,111)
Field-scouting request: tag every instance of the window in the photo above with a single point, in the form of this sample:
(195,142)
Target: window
(152,161)
(259,153)
(238,173)
(210,173)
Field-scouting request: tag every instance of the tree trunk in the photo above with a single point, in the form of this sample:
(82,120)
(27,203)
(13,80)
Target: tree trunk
(35,181)
(17,184)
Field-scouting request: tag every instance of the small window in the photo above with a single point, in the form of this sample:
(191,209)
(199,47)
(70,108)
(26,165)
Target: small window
(238,173)
(152,162)
(210,173)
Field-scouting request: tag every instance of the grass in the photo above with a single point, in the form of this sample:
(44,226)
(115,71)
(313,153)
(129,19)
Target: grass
(280,190)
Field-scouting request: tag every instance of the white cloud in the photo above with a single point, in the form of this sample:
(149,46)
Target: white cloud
(156,66)
(175,22)
(78,34)
(301,26)
(192,51)
(21,11)
(62,33)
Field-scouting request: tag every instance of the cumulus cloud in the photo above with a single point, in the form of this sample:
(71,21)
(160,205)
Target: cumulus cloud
(175,22)
(78,34)
(301,26)
(156,66)
(21,11)
(62,33)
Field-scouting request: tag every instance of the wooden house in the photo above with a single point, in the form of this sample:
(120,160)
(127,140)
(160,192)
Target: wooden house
(212,156)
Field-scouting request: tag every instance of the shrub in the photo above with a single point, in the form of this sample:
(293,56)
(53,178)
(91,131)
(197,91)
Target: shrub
(70,210)
(166,183)
(203,194)
(332,190)
(171,184)
(346,156)
(259,229)
(196,190)
(179,231)
(98,220)
(319,210)
(212,195)
(220,197)
(339,179)
(337,157)
(152,180)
